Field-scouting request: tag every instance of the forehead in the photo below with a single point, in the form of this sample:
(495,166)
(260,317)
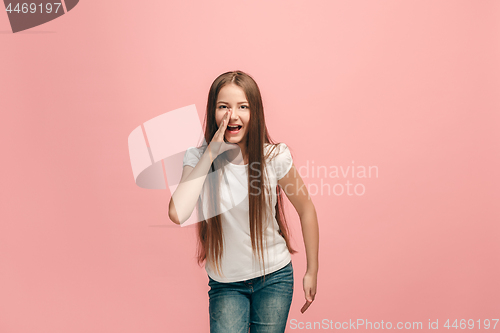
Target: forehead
(231,92)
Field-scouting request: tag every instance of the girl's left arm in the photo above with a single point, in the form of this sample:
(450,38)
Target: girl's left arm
(297,193)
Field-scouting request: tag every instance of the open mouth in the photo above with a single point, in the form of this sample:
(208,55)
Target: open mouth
(233,129)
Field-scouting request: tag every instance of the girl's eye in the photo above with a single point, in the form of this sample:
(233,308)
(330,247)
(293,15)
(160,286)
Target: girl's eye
(225,107)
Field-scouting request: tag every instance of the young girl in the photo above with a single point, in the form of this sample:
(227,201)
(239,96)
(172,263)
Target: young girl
(247,291)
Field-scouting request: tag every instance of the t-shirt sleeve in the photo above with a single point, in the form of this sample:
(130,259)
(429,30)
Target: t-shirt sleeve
(283,161)
(191,157)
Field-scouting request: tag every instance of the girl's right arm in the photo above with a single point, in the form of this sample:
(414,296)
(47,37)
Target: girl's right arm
(186,194)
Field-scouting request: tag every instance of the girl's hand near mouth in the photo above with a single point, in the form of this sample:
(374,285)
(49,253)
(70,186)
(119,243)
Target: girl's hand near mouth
(218,146)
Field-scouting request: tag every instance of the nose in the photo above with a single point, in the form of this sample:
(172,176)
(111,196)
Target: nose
(233,113)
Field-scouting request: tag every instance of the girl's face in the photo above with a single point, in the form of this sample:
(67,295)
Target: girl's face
(233,97)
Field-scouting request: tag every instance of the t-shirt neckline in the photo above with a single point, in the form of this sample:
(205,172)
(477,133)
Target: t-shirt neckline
(243,165)
(238,165)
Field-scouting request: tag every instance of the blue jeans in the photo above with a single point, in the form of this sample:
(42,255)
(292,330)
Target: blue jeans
(255,304)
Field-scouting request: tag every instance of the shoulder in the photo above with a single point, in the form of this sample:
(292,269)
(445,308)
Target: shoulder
(193,154)
(196,150)
(280,158)
(273,151)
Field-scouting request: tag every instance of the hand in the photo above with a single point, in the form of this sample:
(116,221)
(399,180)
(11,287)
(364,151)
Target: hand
(218,145)
(310,282)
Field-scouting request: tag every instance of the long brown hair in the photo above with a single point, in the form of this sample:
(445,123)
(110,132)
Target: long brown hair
(210,240)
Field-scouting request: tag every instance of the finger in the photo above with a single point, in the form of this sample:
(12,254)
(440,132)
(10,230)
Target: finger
(224,122)
(220,131)
(305,306)
(228,116)
(309,297)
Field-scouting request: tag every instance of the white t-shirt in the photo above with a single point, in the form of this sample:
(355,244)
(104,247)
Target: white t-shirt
(238,263)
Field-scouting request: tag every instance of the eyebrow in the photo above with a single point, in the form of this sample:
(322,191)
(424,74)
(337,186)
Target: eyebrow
(228,103)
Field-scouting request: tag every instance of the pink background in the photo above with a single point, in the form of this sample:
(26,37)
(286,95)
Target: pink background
(408,86)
